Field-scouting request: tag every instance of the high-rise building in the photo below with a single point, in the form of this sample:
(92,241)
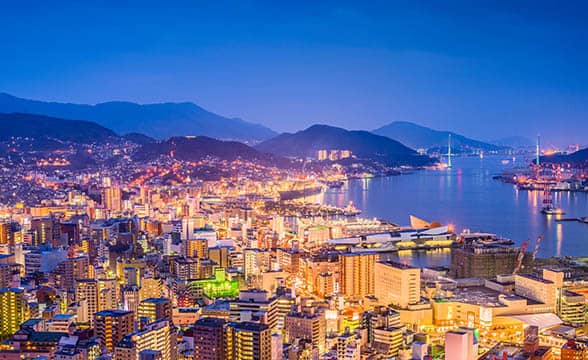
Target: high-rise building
(86,292)
(256,261)
(158,336)
(186,268)
(255,304)
(306,327)
(112,326)
(248,341)
(108,294)
(154,309)
(219,255)
(112,198)
(397,284)
(209,339)
(197,248)
(75,268)
(357,274)
(42,231)
(13,311)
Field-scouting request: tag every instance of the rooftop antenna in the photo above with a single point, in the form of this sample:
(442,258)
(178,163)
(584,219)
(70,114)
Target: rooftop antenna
(449,151)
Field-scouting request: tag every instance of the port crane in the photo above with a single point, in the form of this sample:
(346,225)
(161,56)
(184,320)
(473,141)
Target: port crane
(519,263)
(520,258)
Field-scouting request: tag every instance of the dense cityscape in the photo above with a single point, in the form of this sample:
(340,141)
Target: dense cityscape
(217,259)
(387,181)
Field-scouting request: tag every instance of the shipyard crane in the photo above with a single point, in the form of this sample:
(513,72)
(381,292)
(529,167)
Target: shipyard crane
(519,262)
(536,249)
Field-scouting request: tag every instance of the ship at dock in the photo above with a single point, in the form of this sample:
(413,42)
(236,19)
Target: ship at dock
(300,189)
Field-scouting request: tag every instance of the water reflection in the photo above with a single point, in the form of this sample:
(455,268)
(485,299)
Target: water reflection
(467,196)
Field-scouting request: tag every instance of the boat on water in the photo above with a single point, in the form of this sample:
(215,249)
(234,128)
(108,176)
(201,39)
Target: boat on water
(505,162)
(300,193)
(480,238)
(549,210)
(335,184)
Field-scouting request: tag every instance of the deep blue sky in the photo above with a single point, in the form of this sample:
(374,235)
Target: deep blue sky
(485,69)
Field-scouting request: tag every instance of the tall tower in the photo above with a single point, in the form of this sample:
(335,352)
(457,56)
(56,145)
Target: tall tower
(538,150)
(449,151)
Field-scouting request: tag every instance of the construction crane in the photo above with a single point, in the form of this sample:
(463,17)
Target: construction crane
(519,262)
(536,249)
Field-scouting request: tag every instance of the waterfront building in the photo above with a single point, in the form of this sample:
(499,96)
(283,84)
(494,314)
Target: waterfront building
(486,261)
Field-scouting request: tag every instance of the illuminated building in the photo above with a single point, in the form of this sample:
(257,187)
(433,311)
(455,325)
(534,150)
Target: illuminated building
(573,350)
(112,326)
(348,347)
(130,295)
(209,339)
(322,155)
(111,198)
(186,268)
(255,302)
(155,309)
(317,235)
(461,344)
(86,292)
(308,327)
(157,336)
(151,288)
(108,294)
(13,311)
(248,341)
(397,284)
(75,268)
(572,308)
(197,248)
(357,274)
(537,288)
(42,231)
(387,340)
(219,255)
(380,317)
(256,261)
(219,286)
(289,260)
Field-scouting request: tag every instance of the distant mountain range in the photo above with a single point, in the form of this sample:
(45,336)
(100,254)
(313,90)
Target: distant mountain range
(417,136)
(578,158)
(46,127)
(160,121)
(362,144)
(515,142)
(199,147)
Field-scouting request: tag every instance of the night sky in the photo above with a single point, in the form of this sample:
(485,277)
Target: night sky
(484,69)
